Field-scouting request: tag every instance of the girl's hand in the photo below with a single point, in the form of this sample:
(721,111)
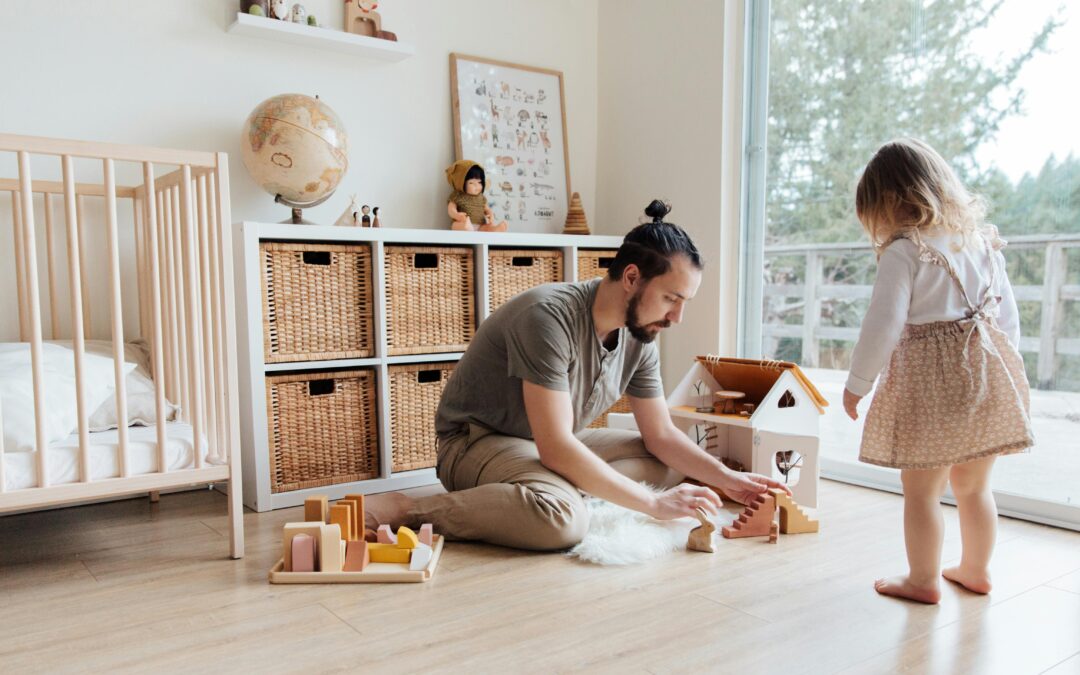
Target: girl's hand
(851,401)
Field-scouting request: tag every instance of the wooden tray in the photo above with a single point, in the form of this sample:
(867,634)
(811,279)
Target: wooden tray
(376,573)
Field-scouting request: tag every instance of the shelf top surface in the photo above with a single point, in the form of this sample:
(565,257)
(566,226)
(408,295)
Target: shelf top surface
(288,231)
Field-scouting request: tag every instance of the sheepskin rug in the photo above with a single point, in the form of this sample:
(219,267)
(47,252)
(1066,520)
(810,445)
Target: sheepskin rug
(619,536)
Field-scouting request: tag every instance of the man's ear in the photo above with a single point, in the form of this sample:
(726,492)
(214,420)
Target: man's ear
(631,276)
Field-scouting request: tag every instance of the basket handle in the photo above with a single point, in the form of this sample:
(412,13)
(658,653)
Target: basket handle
(321,387)
(425,260)
(316,257)
(428,376)
(522,261)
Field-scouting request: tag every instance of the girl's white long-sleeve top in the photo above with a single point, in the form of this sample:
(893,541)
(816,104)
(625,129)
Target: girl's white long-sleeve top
(910,291)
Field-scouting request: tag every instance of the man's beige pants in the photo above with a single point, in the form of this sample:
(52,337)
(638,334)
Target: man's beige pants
(500,493)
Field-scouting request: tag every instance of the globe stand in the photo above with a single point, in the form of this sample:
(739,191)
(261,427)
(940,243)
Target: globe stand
(298,208)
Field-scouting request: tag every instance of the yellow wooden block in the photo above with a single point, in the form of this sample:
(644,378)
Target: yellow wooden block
(406,538)
(341,515)
(316,509)
(388,553)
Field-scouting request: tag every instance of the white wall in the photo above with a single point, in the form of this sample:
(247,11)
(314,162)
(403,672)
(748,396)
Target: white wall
(165,73)
(661,101)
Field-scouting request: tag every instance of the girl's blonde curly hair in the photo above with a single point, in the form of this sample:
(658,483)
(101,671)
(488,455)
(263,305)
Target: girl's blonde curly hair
(907,186)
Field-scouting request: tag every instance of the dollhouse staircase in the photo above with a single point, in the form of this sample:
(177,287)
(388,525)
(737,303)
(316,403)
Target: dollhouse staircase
(755,520)
(793,520)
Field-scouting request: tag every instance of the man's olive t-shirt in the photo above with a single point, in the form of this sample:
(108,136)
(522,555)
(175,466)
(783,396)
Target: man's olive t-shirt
(546,336)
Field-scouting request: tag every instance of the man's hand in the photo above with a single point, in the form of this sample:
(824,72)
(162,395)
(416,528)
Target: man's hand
(851,401)
(683,500)
(744,487)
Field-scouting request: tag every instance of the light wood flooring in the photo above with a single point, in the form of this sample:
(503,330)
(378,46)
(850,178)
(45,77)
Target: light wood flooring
(141,587)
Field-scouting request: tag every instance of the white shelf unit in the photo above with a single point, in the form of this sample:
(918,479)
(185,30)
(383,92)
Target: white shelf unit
(253,369)
(320,38)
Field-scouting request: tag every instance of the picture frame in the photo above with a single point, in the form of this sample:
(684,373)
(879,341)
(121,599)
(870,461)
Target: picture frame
(511,119)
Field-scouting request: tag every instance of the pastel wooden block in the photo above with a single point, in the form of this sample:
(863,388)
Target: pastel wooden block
(389,553)
(316,509)
(357,556)
(331,552)
(386,536)
(341,515)
(406,538)
(303,553)
(793,520)
(426,534)
(421,556)
(361,509)
(290,530)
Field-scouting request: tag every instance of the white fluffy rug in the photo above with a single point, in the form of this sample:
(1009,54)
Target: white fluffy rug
(619,536)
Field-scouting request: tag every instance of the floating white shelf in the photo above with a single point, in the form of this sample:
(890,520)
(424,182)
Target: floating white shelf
(323,38)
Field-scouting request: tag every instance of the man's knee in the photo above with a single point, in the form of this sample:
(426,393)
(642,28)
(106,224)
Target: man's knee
(558,523)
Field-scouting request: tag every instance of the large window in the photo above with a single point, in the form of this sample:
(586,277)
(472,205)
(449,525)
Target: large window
(984,82)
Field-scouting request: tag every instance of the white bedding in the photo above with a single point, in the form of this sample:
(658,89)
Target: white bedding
(20,468)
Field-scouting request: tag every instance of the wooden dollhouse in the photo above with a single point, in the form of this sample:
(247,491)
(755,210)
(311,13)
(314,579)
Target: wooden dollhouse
(773,429)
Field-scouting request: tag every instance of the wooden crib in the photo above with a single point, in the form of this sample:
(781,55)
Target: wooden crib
(173,289)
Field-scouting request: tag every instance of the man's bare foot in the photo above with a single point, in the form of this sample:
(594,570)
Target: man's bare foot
(901,587)
(976,582)
(388,508)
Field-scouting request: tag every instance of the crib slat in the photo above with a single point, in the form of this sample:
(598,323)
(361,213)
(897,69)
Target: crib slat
(140,263)
(187,230)
(77,330)
(117,316)
(163,280)
(20,274)
(54,308)
(219,384)
(88,324)
(206,323)
(33,315)
(180,345)
(152,214)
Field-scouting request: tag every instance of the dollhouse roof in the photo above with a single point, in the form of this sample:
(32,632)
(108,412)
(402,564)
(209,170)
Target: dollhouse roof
(756,377)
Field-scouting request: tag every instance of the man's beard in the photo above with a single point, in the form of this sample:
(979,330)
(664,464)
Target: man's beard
(645,334)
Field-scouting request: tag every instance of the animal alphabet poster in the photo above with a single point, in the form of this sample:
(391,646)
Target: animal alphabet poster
(511,119)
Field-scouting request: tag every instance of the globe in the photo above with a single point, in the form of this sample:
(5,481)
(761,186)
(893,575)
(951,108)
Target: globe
(296,148)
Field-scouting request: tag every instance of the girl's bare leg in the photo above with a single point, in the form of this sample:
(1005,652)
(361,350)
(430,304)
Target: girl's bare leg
(978,524)
(924,529)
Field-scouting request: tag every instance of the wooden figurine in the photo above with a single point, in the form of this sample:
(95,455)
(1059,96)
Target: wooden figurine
(350,217)
(793,520)
(255,7)
(279,9)
(298,14)
(365,216)
(575,217)
(375,216)
(755,520)
(361,18)
(316,509)
(701,537)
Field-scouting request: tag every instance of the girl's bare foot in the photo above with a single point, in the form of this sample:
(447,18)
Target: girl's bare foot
(902,587)
(388,508)
(976,582)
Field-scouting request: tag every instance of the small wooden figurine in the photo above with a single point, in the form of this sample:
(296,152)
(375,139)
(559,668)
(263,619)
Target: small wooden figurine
(365,216)
(350,217)
(375,216)
(701,537)
(361,18)
(279,9)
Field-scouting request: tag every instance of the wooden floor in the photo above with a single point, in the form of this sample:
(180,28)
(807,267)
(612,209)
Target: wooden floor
(134,586)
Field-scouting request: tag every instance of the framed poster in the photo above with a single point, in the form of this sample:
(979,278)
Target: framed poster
(511,119)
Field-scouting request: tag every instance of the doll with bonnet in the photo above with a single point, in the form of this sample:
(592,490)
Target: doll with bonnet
(467,205)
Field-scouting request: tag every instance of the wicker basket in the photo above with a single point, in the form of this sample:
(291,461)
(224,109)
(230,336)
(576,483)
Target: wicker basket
(415,390)
(317,302)
(430,306)
(620,406)
(510,272)
(322,429)
(592,263)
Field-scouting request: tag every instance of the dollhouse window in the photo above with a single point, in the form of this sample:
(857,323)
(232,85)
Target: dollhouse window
(787,400)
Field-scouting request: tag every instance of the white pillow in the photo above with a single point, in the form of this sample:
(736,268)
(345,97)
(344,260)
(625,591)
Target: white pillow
(58,382)
(141,404)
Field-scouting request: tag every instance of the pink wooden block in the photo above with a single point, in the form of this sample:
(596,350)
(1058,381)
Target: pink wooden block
(303,553)
(426,534)
(386,535)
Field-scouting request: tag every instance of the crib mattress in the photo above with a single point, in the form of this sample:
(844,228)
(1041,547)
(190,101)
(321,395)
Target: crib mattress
(20,468)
